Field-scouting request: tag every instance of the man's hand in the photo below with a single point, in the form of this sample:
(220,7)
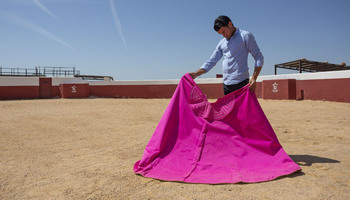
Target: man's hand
(252,83)
(193,75)
(197,73)
(252,80)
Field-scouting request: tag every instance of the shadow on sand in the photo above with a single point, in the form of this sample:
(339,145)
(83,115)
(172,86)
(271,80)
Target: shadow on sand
(308,160)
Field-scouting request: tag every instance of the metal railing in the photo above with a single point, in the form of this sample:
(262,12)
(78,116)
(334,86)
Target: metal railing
(39,71)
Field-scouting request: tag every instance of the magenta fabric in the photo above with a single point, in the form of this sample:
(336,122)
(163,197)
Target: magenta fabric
(228,141)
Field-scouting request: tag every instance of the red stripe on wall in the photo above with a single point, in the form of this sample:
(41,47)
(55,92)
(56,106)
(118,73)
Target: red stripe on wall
(324,89)
(149,91)
(133,91)
(19,92)
(56,91)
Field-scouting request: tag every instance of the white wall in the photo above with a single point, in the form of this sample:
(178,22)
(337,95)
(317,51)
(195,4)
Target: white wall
(34,81)
(18,81)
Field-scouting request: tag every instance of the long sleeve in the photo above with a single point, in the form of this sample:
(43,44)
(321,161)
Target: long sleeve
(215,57)
(254,50)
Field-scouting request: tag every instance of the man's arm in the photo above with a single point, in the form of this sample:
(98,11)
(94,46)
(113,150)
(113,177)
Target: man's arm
(258,57)
(253,79)
(207,66)
(199,72)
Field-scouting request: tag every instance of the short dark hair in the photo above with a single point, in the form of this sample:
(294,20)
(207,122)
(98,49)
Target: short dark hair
(221,21)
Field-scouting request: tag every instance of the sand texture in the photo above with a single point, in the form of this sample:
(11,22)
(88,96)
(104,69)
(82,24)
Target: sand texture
(86,149)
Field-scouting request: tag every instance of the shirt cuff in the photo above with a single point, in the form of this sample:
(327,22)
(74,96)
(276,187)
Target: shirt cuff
(259,63)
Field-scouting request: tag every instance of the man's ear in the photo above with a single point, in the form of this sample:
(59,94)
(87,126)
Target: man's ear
(230,24)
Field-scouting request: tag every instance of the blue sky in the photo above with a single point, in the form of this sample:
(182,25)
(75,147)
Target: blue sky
(164,39)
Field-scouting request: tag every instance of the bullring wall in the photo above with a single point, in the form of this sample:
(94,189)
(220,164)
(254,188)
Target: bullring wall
(329,86)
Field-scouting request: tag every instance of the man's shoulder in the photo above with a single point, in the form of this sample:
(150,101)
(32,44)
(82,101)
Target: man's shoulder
(222,42)
(244,33)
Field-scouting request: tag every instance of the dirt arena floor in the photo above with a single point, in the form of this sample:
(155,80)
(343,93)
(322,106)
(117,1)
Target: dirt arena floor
(86,149)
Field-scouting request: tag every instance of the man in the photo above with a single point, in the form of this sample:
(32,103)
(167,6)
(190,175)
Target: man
(234,47)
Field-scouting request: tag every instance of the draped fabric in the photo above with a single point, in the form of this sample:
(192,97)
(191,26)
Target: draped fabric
(228,141)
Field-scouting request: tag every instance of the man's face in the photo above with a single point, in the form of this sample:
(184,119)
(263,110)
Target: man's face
(227,31)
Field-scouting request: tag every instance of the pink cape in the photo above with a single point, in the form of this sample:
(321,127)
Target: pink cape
(228,141)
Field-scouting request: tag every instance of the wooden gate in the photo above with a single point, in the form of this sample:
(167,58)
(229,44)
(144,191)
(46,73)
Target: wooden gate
(45,88)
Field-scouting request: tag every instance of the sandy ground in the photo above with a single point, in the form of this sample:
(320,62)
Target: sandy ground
(86,149)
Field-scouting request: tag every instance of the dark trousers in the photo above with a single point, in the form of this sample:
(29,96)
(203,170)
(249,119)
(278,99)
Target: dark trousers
(231,88)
